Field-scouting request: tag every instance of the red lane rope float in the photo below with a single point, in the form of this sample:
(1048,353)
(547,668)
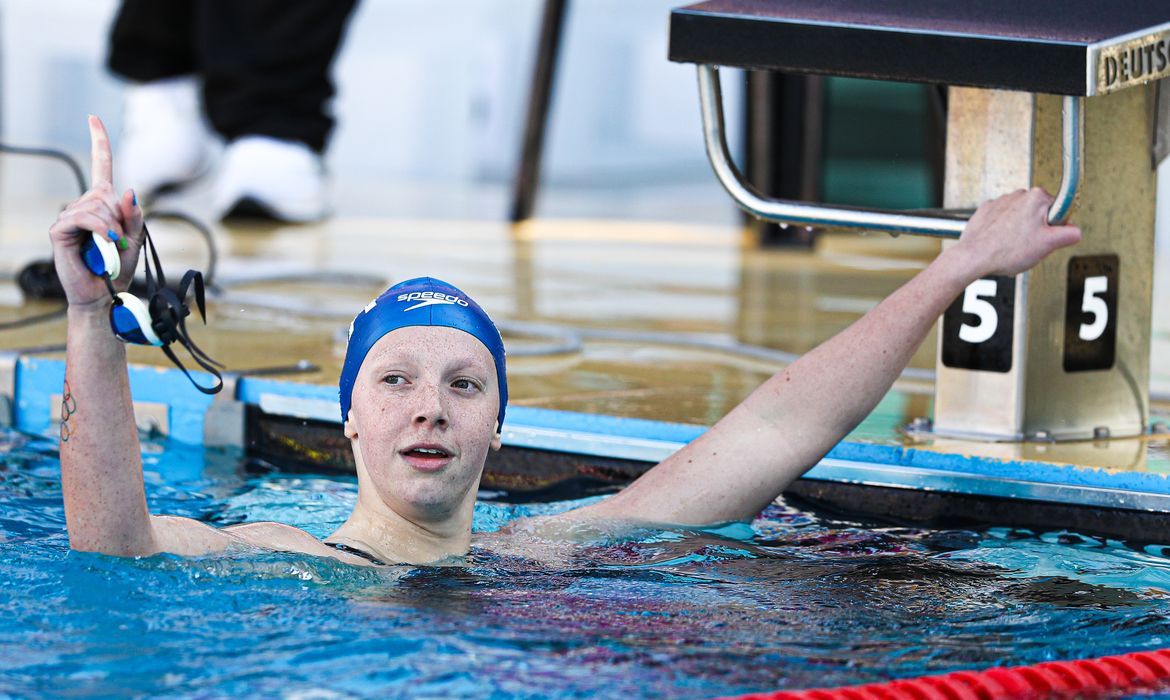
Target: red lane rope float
(1083,678)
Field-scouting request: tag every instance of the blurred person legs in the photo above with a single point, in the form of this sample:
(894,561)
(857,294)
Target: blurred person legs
(263,69)
(165,142)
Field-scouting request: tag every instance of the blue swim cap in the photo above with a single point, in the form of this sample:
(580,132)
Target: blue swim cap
(423,301)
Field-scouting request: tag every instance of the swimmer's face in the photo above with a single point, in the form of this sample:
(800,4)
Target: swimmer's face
(423,417)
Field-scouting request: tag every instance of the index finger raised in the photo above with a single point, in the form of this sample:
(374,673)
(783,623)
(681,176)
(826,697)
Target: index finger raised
(102,160)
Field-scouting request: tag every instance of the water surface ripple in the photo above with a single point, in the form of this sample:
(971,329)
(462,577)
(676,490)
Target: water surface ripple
(797,599)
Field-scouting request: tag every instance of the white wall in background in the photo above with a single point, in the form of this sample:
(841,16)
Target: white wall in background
(51,77)
(444,85)
(427,91)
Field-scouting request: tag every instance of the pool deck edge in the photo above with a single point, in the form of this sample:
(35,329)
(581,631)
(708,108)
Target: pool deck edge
(38,380)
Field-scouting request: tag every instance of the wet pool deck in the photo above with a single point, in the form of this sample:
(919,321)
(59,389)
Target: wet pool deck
(288,292)
(286,295)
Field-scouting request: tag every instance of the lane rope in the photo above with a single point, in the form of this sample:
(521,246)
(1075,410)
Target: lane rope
(1082,678)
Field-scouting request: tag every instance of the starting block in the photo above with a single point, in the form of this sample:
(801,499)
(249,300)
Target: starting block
(1060,95)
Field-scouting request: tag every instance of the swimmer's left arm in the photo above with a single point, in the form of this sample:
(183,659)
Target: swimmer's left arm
(786,425)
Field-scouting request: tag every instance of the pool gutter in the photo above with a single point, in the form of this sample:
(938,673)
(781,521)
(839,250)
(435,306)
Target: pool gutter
(625,447)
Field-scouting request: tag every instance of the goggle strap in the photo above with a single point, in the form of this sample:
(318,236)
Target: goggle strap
(196,352)
(214,389)
(148,243)
(194,278)
(156,290)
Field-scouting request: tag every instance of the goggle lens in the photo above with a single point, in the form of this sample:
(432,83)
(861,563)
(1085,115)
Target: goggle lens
(126,327)
(93,258)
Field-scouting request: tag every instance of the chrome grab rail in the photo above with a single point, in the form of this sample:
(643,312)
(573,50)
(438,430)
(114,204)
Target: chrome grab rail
(837,216)
(1073,157)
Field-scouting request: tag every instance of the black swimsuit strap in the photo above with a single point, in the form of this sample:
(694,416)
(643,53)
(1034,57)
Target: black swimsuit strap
(357,552)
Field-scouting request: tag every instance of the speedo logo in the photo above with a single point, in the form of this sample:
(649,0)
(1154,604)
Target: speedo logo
(429,299)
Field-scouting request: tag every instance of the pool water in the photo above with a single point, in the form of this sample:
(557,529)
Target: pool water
(798,599)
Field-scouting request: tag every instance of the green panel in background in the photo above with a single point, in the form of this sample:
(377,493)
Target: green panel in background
(877,144)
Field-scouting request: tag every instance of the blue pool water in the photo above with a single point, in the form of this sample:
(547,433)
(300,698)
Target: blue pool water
(798,599)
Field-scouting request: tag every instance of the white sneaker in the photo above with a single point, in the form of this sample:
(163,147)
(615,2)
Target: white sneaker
(265,178)
(165,143)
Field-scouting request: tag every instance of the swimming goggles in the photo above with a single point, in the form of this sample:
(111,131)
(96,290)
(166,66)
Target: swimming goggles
(160,320)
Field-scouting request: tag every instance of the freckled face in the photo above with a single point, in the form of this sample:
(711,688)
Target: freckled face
(423,417)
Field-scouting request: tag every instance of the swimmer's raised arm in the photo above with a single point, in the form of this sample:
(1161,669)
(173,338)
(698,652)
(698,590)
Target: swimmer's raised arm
(101,464)
(787,424)
(101,459)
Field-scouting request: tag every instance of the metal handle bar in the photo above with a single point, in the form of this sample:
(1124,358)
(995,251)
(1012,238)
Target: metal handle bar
(790,212)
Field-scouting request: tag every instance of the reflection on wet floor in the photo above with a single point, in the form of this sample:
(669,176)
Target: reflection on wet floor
(286,294)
